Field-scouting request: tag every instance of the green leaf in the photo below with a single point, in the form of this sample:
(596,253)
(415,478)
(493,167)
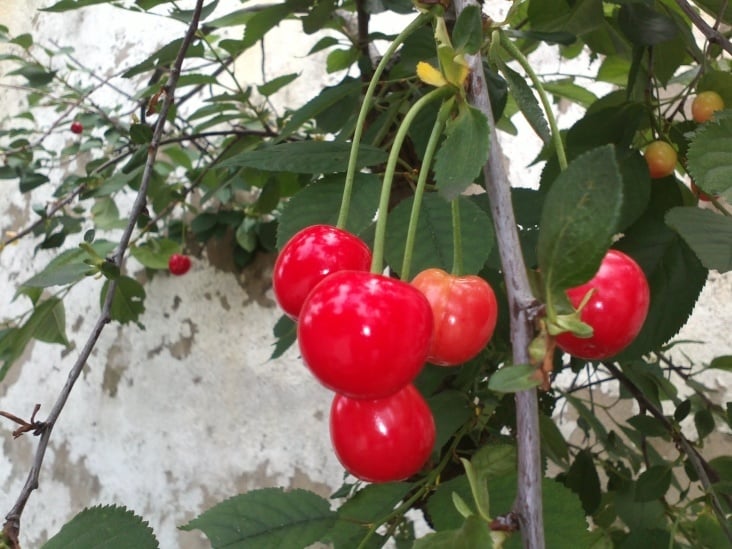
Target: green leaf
(704,422)
(463,153)
(36,75)
(648,426)
(340,59)
(583,480)
(31,180)
(320,202)
(473,533)
(579,218)
(49,321)
(567,89)
(576,18)
(479,491)
(721,363)
(105,214)
(434,244)
(675,275)
(100,527)
(68,266)
(141,134)
(527,102)
(718,81)
(25,41)
(563,514)
(493,461)
(467,34)
(305,157)
(67,5)
(440,508)
(128,301)
(638,515)
(276,84)
(644,26)
(653,483)
(368,505)
(709,158)
(451,410)
(347,91)
(269,517)
(708,234)
(636,186)
(511,379)
(285,331)
(155,252)
(714,8)
(164,57)
(46,323)
(708,531)
(553,444)
(263,21)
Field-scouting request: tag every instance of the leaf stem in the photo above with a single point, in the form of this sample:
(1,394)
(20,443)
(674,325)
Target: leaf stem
(457,238)
(524,62)
(377,263)
(420,20)
(421,183)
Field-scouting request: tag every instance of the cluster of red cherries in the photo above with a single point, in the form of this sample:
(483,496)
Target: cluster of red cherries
(366,336)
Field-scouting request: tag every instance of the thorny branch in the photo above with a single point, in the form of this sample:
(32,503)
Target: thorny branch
(11,528)
(528,505)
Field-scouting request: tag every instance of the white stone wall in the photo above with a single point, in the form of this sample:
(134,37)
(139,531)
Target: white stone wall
(171,419)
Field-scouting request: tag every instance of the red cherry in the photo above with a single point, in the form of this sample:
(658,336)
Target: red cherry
(310,256)
(382,440)
(76,127)
(616,311)
(364,335)
(179,264)
(465,311)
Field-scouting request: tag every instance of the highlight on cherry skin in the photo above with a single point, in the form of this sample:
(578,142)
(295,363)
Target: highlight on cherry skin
(308,257)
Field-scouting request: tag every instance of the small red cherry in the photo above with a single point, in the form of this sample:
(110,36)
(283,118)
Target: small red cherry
(179,264)
(76,127)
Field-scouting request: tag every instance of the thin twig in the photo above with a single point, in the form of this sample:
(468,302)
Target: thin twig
(711,33)
(11,528)
(528,505)
(703,470)
(62,202)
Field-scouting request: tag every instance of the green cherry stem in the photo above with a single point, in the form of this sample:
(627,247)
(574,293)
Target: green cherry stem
(457,238)
(420,20)
(377,262)
(424,171)
(524,62)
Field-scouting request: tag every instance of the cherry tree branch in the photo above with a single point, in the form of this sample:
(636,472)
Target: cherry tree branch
(11,528)
(711,33)
(522,308)
(703,470)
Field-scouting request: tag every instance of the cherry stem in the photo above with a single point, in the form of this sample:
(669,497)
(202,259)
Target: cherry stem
(377,262)
(524,62)
(421,19)
(421,184)
(457,238)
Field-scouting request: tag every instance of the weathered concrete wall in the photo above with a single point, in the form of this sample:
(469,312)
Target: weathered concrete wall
(171,419)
